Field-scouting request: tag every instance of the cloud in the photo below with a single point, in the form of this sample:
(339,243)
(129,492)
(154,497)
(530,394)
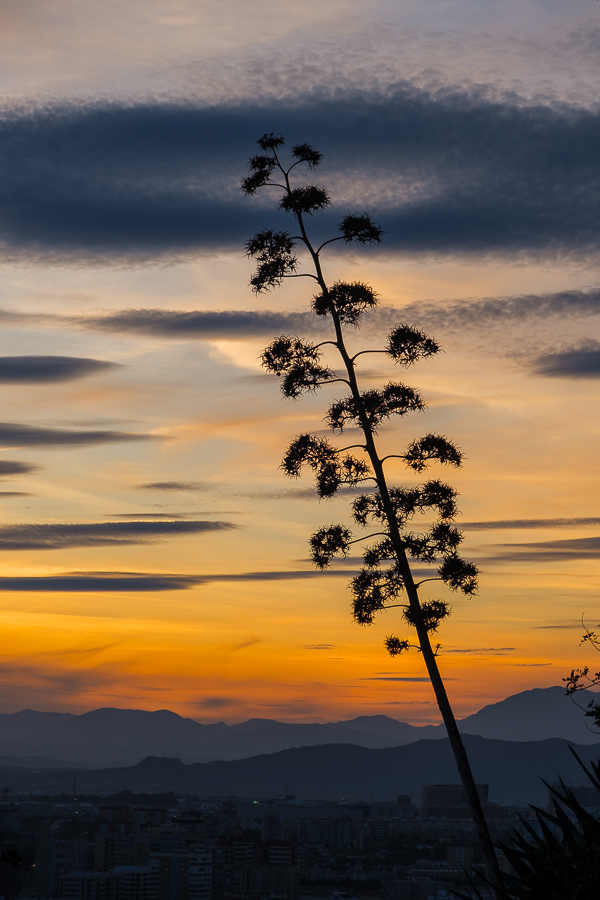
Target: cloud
(74,582)
(207,325)
(422,678)
(551,551)
(500,524)
(98,582)
(319,646)
(10,467)
(172,486)
(150,515)
(13,435)
(461,314)
(448,172)
(98,534)
(42,369)
(15,494)
(482,650)
(243,324)
(286,575)
(243,645)
(533,665)
(217,702)
(577,362)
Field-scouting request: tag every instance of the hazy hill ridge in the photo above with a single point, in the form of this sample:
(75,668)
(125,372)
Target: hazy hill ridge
(512,769)
(122,737)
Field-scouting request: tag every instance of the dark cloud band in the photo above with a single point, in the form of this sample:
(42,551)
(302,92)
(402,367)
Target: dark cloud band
(99,534)
(550,551)
(577,362)
(502,524)
(98,582)
(171,486)
(13,435)
(9,467)
(449,173)
(41,369)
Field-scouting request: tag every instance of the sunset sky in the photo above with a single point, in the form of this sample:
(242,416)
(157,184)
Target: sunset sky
(152,553)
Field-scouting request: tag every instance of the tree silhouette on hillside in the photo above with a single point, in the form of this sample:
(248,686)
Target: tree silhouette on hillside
(386,579)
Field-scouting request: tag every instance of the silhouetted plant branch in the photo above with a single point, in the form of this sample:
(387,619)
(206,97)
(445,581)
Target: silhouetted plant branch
(386,574)
(581,680)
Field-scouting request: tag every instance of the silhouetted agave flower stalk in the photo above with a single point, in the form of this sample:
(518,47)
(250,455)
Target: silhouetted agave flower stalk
(386,578)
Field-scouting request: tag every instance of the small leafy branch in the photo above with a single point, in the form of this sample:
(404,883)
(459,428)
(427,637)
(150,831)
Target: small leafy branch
(582,680)
(386,578)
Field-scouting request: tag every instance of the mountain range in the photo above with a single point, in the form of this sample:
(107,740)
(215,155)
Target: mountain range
(512,769)
(123,737)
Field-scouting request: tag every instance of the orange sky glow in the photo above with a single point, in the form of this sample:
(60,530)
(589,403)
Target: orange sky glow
(231,622)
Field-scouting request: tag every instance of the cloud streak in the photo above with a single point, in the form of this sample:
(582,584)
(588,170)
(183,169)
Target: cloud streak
(99,582)
(576,362)
(446,172)
(171,486)
(48,369)
(550,551)
(501,524)
(14,435)
(10,467)
(99,534)
(243,324)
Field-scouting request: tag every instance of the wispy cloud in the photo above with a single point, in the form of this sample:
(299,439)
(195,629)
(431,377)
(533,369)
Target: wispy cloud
(550,551)
(481,650)
(99,582)
(422,678)
(209,324)
(14,435)
(319,646)
(10,467)
(502,524)
(150,515)
(98,534)
(576,362)
(172,486)
(48,369)
(285,575)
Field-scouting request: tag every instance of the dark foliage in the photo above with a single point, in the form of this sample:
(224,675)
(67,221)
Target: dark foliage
(581,679)
(349,300)
(395,646)
(306,153)
(406,345)
(331,467)
(305,201)
(372,590)
(359,228)
(270,141)
(298,362)
(432,447)
(272,250)
(459,574)
(560,859)
(375,407)
(433,611)
(327,543)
